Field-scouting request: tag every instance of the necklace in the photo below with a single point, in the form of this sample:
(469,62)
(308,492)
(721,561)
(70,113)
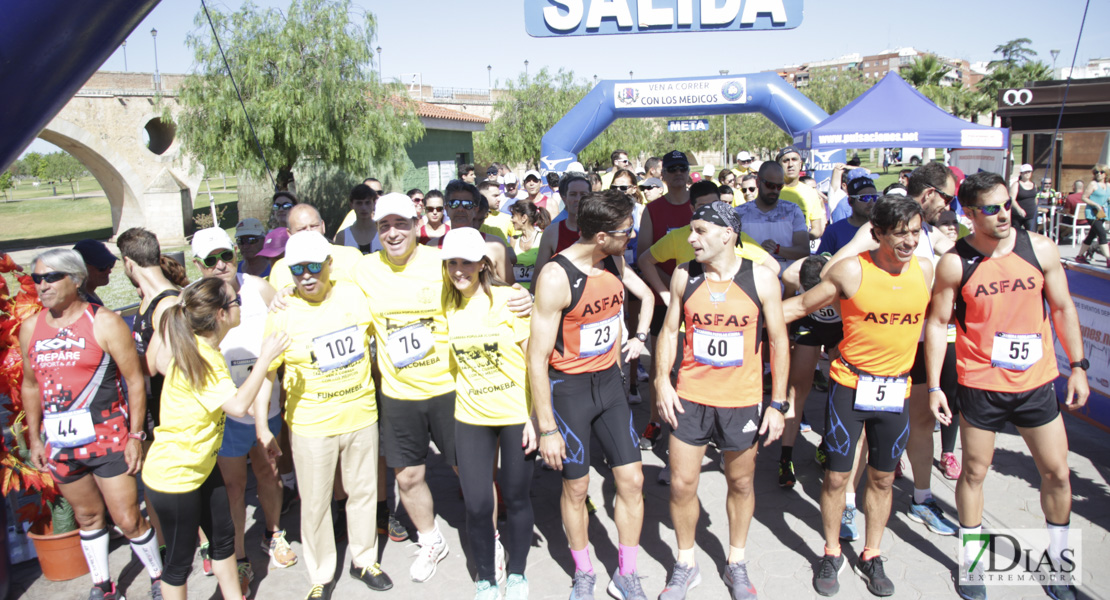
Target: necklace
(717,297)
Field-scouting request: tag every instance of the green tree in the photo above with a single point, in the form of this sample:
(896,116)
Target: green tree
(1005,77)
(529,107)
(6,184)
(33,164)
(307,80)
(62,166)
(1014,53)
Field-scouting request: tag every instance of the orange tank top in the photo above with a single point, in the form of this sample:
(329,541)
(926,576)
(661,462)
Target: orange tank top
(589,337)
(1003,337)
(882,322)
(721,366)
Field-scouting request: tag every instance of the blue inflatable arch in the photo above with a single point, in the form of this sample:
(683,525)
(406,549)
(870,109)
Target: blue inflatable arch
(765,93)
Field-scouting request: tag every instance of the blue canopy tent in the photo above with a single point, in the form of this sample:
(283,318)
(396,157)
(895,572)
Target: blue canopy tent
(892,114)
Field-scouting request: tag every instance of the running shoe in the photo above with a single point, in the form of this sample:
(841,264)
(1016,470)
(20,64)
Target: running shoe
(1061,592)
(821,457)
(950,466)
(1079,258)
(930,515)
(786,474)
(321,591)
(873,573)
(156,589)
(486,590)
(820,381)
(804,426)
(427,558)
(373,576)
(969,591)
(826,575)
(98,594)
(736,578)
(651,435)
(665,475)
(498,561)
(634,397)
(205,560)
(397,531)
(246,576)
(684,578)
(626,587)
(516,588)
(848,529)
(582,588)
(641,372)
(281,554)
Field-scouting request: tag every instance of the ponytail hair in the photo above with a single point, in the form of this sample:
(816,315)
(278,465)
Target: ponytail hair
(173,271)
(195,313)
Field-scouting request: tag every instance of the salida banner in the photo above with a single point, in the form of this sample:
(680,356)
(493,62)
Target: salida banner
(561,18)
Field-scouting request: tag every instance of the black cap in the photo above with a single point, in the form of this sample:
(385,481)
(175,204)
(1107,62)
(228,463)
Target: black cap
(785,151)
(857,185)
(675,157)
(95,253)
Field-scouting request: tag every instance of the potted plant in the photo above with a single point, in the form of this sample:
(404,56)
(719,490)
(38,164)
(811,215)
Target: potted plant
(53,528)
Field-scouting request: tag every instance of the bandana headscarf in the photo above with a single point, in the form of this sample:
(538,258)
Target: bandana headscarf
(720,213)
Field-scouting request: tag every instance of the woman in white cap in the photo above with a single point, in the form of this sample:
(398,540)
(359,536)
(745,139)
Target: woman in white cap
(492,410)
(249,237)
(1024,194)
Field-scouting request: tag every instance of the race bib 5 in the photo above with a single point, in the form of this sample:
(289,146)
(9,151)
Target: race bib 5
(880,394)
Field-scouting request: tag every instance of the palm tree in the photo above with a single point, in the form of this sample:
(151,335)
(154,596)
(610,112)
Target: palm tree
(926,73)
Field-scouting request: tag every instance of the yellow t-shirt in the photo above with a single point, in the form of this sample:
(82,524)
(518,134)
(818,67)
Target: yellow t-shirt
(410,325)
(328,387)
(492,382)
(343,260)
(191,427)
(499,224)
(673,246)
(806,198)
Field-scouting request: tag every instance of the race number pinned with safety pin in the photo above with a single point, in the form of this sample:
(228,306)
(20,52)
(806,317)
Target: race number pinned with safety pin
(69,429)
(338,349)
(719,348)
(408,344)
(1016,351)
(598,338)
(880,394)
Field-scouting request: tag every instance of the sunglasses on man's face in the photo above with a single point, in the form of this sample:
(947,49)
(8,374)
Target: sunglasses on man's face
(314,268)
(51,277)
(625,231)
(465,204)
(866,197)
(283,205)
(246,240)
(227,256)
(678,169)
(989,210)
(771,186)
(947,199)
(750,189)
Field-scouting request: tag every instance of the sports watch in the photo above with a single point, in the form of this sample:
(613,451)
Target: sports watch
(782,407)
(141,436)
(1082,364)
(642,337)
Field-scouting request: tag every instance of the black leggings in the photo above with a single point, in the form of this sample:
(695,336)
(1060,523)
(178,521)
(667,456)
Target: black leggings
(206,507)
(476,450)
(1098,230)
(949,433)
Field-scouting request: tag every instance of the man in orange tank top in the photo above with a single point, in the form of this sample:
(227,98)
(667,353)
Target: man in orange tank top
(883,297)
(576,382)
(999,279)
(724,301)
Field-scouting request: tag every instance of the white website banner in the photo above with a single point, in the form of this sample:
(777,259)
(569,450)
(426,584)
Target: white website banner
(691,92)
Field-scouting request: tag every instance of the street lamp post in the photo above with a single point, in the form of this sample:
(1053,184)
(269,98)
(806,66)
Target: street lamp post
(489,78)
(1054,54)
(724,153)
(526,70)
(630,74)
(379,49)
(157,75)
(124,44)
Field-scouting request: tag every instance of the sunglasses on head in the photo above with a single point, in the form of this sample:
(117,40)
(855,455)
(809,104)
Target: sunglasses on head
(772,186)
(989,210)
(284,205)
(227,256)
(866,197)
(433,208)
(246,240)
(623,188)
(51,277)
(313,267)
(456,203)
(238,300)
(678,169)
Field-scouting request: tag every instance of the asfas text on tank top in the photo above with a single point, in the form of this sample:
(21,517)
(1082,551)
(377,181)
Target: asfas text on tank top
(589,333)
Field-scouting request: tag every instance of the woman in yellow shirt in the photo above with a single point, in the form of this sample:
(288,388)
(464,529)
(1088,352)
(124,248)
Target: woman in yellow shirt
(182,484)
(492,411)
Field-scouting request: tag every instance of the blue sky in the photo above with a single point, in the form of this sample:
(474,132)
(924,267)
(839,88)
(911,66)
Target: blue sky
(451,42)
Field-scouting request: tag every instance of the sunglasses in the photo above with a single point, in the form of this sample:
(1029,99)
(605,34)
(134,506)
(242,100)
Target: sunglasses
(284,205)
(433,208)
(678,169)
(313,267)
(947,199)
(51,277)
(418,200)
(621,162)
(246,240)
(237,301)
(989,210)
(772,186)
(750,189)
(625,231)
(1099,172)
(648,187)
(227,256)
(623,188)
(866,197)
(467,204)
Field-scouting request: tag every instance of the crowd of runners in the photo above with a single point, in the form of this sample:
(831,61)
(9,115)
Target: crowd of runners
(503,324)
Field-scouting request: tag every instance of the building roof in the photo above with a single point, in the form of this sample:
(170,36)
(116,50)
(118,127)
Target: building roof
(434,111)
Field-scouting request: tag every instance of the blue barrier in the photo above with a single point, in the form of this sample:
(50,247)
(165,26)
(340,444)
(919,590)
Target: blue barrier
(1090,289)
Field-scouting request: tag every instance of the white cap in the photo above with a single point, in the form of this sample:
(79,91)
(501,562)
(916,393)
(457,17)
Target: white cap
(307,247)
(709,170)
(206,241)
(576,167)
(743,155)
(509,178)
(466,243)
(533,173)
(1026,169)
(394,203)
(249,226)
(755,165)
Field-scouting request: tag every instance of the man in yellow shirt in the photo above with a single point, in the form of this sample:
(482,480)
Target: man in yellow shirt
(799,193)
(305,217)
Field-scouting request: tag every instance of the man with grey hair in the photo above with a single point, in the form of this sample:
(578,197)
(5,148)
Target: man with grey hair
(561,234)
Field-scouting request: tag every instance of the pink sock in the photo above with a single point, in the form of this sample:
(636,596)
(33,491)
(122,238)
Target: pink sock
(627,558)
(582,560)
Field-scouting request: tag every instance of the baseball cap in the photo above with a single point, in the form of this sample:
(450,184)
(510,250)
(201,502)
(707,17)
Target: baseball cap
(274,245)
(308,247)
(510,178)
(743,155)
(1026,168)
(857,185)
(394,203)
(861,172)
(249,226)
(576,167)
(491,172)
(95,253)
(675,157)
(786,151)
(695,177)
(709,170)
(208,240)
(533,173)
(466,243)
(651,181)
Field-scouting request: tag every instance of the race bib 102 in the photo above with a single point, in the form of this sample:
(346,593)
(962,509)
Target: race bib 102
(339,348)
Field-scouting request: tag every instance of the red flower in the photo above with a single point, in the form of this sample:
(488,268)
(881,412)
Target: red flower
(7,265)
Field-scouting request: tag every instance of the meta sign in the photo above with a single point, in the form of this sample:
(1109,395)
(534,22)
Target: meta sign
(561,18)
(688,125)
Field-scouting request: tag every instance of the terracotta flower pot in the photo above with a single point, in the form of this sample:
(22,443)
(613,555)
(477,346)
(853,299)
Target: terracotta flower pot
(60,555)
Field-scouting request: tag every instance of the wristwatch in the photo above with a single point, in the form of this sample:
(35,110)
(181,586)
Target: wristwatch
(782,407)
(141,436)
(642,337)
(1082,364)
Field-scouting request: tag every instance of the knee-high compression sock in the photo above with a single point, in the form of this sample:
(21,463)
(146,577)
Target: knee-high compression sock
(95,546)
(146,548)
